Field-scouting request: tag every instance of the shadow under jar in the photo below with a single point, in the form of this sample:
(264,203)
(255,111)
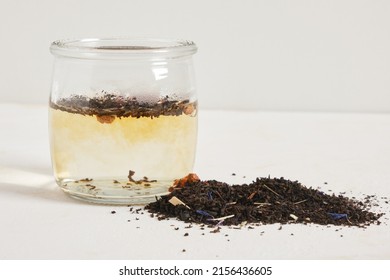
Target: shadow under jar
(122,117)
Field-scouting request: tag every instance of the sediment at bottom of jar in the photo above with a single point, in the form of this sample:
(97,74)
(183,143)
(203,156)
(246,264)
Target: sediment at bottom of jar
(115,192)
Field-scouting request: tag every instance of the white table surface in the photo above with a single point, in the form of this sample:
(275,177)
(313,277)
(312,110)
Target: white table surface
(351,152)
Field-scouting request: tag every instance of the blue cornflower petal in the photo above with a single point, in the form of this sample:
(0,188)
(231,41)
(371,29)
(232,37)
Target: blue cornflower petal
(204,213)
(337,216)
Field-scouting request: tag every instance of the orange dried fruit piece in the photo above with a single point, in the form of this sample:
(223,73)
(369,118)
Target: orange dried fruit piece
(180,183)
(105,118)
(189,109)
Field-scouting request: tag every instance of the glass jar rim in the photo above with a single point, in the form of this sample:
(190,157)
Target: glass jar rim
(122,48)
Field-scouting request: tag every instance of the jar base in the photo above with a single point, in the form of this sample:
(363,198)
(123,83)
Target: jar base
(103,192)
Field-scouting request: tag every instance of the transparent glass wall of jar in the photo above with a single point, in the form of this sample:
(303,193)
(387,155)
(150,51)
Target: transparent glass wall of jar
(122,117)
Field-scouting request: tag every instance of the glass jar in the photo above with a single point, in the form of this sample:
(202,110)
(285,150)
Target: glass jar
(122,117)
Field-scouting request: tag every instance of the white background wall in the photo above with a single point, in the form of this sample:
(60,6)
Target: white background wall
(329,55)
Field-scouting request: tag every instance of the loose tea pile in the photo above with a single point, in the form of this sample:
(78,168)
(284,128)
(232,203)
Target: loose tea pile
(264,201)
(108,106)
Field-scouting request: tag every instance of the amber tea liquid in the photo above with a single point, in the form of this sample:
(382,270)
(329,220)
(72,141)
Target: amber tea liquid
(93,155)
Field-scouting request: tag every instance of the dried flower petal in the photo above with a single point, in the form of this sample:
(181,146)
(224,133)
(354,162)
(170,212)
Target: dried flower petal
(175,201)
(204,213)
(337,216)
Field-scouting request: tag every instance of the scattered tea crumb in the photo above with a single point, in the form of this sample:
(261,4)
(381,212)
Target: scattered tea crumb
(91,187)
(186,234)
(130,176)
(113,212)
(86,180)
(216,230)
